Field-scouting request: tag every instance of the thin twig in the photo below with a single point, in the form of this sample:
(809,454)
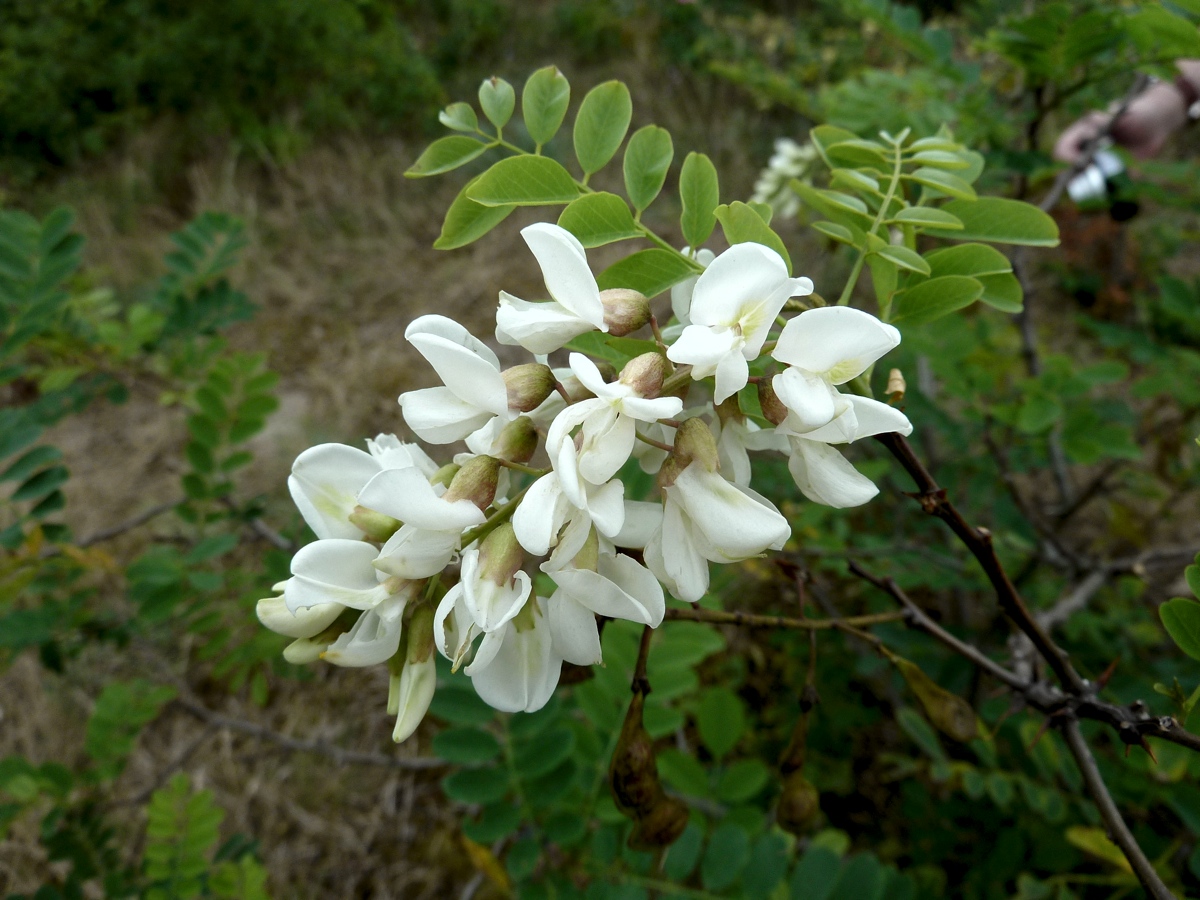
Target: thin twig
(1118,831)
(106,534)
(339,755)
(752,620)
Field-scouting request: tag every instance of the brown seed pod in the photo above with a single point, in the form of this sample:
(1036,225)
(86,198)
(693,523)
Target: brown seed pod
(949,713)
(633,773)
(661,826)
(799,803)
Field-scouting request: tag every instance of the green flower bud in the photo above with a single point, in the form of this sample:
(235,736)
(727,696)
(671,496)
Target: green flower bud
(375,525)
(518,440)
(799,804)
(501,555)
(625,310)
(695,443)
(476,481)
(528,386)
(645,374)
(773,409)
(661,826)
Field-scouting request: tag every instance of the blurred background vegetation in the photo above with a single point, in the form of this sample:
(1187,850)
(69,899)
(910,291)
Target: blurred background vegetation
(208,256)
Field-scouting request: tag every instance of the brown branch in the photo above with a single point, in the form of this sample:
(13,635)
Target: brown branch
(979,541)
(1118,831)
(752,620)
(339,755)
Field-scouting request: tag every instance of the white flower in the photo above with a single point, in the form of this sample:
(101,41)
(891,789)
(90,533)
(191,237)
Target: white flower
(618,588)
(681,293)
(825,347)
(305,622)
(407,495)
(417,552)
(821,472)
(374,638)
(338,571)
(735,437)
(706,517)
(492,598)
(474,391)
(576,306)
(734,304)
(410,691)
(326,479)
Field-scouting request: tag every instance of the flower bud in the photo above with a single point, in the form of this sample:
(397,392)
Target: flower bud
(375,525)
(528,386)
(729,410)
(645,374)
(476,481)
(518,440)
(694,443)
(445,474)
(661,826)
(633,773)
(949,713)
(308,650)
(896,386)
(500,556)
(799,803)
(413,674)
(625,310)
(773,409)
(303,623)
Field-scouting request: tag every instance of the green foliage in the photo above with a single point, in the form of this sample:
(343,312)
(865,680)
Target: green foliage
(181,830)
(122,709)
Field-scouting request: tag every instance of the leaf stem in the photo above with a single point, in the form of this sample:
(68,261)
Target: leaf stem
(883,208)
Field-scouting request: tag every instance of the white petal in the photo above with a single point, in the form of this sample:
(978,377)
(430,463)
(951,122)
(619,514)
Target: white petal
(732,375)
(538,327)
(733,523)
(565,269)
(589,376)
(602,595)
(642,521)
(437,415)
(638,582)
(607,443)
(606,507)
(645,410)
(809,398)
(682,560)
(453,352)
(324,483)
(574,536)
(392,453)
(334,571)
(523,674)
(731,450)
(418,680)
(567,421)
(451,624)
(305,622)
(742,276)
(374,639)
(703,348)
(406,495)
(825,476)
(493,606)
(574,631)
(837,341)
(540,516)
(414,553)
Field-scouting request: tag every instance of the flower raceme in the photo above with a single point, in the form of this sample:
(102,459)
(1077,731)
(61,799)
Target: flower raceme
(415,558)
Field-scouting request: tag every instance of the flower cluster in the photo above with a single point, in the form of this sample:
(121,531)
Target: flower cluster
(790,160)
(413,556)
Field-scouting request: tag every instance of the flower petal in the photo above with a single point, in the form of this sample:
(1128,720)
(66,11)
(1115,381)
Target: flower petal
(334,570)
(732,375)
(437,415)
(839,342)
(825,476)
(538,327)
(607,443)
(606,507)
(404,494)
(863,418)
(642,520)
(524,672)
(414,553)
(809,398)
(703,348)
(564,266)
(540,516)
(734,524)
(305,622)
(573,630)
(324,484)
(472,376)
(374,639)
(418,681)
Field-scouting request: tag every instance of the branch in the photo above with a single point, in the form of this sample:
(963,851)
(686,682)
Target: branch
(751,620)
(339,755)
(1117,829)
(979,541)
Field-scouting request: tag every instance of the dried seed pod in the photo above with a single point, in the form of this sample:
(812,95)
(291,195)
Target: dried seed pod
(661,826)
(799,803)
(633,773)
(949,713)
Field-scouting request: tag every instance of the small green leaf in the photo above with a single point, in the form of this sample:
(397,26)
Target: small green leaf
(601,124)
(839,233)
(1000,221)
(742,780)
(647,159)
(497,820)
(486,785)
(940,159)
(524,181)
(969,259)
(121,711)
(544,103)
(40,484)
(926,217)
(599,219)
(816,873)
(699,194)
(445,154)
(855,181)
(467,221)
(1181,618)
(1002,292)
(498,100)
(1192,574)
(721,720)
(683,772)
(459,117)
(904,258)
(858,152)
(847,215)
(742,224)
(935,298)
(649,271)
(683,855)
(943,182)
(30,462)
(914,725)
(727,853)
